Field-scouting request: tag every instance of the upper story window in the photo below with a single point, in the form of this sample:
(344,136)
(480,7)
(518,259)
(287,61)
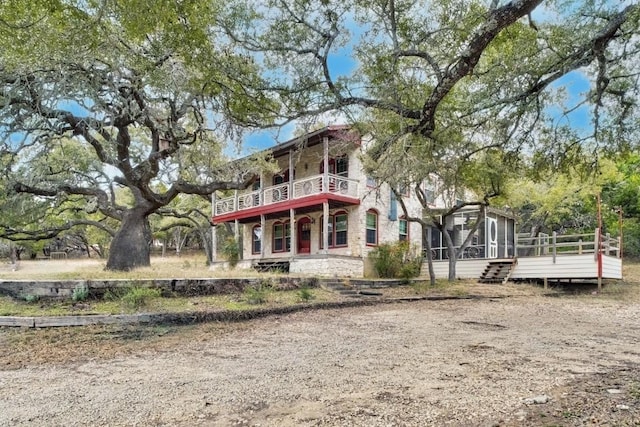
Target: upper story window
(372,228)
(403,189)
(337,166)
(281,178)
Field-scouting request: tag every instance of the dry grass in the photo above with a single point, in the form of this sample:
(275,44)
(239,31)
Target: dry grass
(189,266)
(236,302)
(72,345)
(194,266)
(69,345)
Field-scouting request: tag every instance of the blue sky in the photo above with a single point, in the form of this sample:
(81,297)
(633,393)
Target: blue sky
(575,85)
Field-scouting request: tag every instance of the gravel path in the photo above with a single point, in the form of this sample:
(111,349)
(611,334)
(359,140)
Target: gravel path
(468,362)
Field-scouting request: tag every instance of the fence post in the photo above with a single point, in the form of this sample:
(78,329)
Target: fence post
(579,246)
(620,246)
(607,244)
(555,238)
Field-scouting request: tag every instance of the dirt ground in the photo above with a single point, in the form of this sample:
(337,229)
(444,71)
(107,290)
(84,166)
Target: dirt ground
(520,361)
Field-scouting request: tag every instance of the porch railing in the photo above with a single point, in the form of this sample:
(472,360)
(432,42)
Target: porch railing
(566,244)
(442,252)
(304,187)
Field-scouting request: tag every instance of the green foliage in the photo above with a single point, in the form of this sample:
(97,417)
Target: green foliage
(31,298)
(80,292)
(396,260)
(231,251)
(305,294)
(94,63)
(137,297)
(259,293)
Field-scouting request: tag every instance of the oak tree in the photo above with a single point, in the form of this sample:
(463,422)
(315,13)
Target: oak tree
(102,97)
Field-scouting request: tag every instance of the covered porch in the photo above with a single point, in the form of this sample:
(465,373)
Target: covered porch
(495,238)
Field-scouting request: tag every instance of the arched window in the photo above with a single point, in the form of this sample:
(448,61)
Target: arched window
(403,229)
(281,237)
(338,230)
(372,228)
(256,239)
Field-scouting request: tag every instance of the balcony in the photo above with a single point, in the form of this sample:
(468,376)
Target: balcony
(310,188)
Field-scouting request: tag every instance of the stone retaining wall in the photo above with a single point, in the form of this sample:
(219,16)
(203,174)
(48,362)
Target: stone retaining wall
(186,287)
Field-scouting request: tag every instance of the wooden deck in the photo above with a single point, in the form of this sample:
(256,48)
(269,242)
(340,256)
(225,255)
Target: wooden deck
(548,257)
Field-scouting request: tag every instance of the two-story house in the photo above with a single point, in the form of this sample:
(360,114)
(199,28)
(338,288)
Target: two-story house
(320,214)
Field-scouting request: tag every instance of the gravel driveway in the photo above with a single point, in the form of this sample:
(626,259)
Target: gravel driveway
(491,362)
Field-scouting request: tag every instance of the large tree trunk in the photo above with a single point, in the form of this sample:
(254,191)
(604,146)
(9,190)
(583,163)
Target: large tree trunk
(131,246)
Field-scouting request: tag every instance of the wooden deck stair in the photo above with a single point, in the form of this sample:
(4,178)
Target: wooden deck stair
(497,272)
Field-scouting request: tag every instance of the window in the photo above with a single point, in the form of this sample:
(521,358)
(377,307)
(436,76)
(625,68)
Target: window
(338,226)
(337,166)
(281,178)
(403,189)
(430,195)
(340,238)
(256,236)
(403,230)
(372,228)
(429,191)
(281,237)
(342,166)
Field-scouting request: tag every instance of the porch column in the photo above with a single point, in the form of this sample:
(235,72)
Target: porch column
(236,229)
(506,237)
(291,173)
(293,231)
(261,189)
(263,231)
(325,175)
(214,244)
(213,228)
(325,227)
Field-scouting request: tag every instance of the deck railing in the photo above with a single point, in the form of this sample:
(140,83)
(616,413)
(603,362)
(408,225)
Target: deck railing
(566,244)
(543,245)
(304,187)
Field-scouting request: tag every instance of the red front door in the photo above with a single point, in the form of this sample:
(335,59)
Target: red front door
(304,236)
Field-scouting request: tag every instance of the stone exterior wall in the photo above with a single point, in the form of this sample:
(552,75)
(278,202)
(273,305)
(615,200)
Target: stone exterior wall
(328,266)
(307,162)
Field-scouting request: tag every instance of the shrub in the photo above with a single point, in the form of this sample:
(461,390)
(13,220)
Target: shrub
(31,298)
(137,297)
(231,251)
(255,295)
(258,294)
(396,260)
(80,292)
(305,294)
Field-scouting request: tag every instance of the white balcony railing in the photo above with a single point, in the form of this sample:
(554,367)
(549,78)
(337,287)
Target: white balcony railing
(305,187)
